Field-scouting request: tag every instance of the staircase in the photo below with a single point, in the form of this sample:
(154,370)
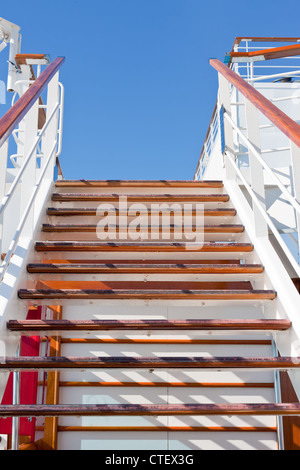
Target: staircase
(160,313)
(148,344)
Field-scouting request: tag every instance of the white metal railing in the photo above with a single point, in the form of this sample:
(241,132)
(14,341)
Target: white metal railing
(253,73)
(254,70)
(241,145)
(209,144)
(18,233)
(215,129)
(263,213)
(32,172)
(239,127)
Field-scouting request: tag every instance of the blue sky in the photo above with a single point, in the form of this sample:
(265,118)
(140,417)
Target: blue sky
(139,88)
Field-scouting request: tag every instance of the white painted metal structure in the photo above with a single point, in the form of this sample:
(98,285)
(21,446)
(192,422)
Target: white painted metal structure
(26,192)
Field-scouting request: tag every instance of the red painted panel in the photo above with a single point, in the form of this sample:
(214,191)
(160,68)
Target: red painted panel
(29,382)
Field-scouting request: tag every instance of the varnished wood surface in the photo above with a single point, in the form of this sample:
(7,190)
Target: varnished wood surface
(122,362)
(291,424)
(142,246)
(273,53)
(89,294)
(127,268)
(138,183)
(141,285)
(149,262)
(170,198)
(266,39)
(21,59)
(52,390)
(179,429)
(92,211)
(98,325)
(289,127)
(221,228)
(168,384)
(215,342)
(257,409)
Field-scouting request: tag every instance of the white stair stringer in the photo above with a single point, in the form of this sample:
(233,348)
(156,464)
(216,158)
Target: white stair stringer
(287,303)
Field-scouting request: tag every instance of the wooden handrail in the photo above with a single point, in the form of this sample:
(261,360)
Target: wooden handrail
(12,118)
(268,54)
(238,40)
(283,122)
(264,39)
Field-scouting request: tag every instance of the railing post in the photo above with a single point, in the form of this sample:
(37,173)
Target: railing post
(16,401)
(225,103)
(29,176)
(295,163)
(256,169)
(3,168)
(3,175)
(52,131)
(278,399)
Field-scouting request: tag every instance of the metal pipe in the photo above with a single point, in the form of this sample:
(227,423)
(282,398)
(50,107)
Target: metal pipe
(5,264)
(16,401)
(276,75)
(277,390)
(60,127)
(12,67)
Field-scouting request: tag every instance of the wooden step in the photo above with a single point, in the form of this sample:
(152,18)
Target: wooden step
(100,325)
(178,429)
(152,294)
(241,409)
(158,268)
(137,183)
(175,385)
(148,262)
(93,228)
(208,247)
(114,198)
(125,362)
(201,342)
(89,211)
(142,284)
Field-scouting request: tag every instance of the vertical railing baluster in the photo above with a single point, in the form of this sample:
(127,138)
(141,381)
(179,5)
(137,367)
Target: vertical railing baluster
(16,401)
(53,99)
(3,175)
(225,103)
(29,175)
(295,164)
(256,169)
(277,391)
